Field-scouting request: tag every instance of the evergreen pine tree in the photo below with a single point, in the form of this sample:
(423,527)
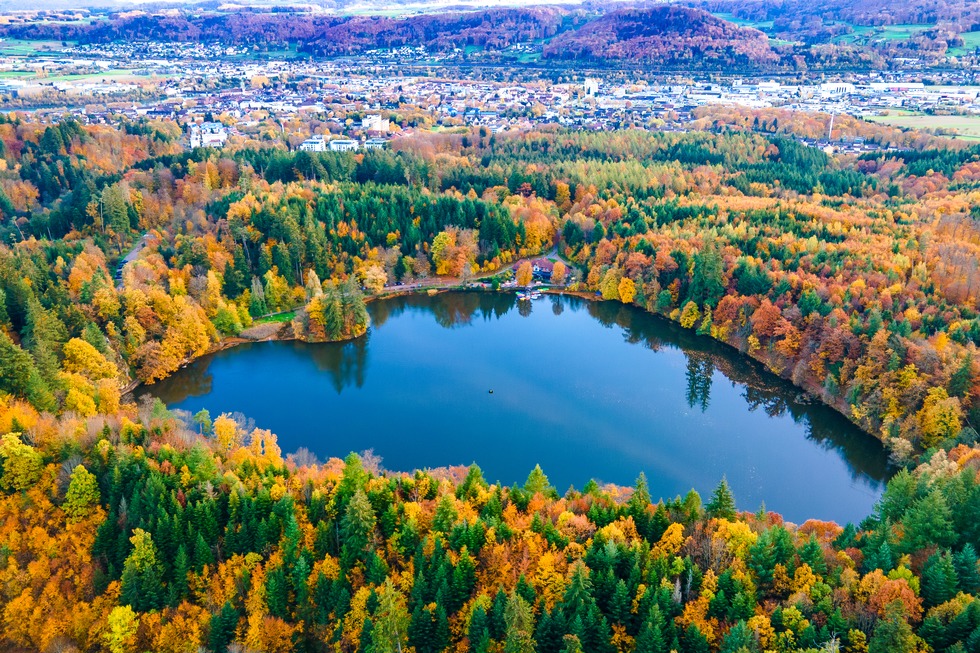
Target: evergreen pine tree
(520,626)
(650,639)
(694,641)
(939,579)
(277,592)
(178,586)
(893,634)
(722,503)
(142,577)
(222,628)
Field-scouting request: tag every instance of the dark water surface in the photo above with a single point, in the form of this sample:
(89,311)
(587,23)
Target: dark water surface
(586,389)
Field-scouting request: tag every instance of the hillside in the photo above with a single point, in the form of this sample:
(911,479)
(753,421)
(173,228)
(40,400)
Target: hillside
(492,28)
(665,35)
(318,34)
(732,34)
(855,12)
(916,29)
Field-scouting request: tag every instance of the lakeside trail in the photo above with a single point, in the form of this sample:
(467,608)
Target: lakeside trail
(264,330)
(444,282)
(269,330)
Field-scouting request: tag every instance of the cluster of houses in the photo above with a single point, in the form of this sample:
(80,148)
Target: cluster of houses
(215,134)
(319,143)
(355,99)
(372,125)
(208,134)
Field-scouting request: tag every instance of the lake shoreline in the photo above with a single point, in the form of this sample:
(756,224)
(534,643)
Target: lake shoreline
(285,334)
(449,348)
(810,393)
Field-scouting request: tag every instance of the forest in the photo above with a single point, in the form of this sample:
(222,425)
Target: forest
(665,35)
(321,34)
(127,527)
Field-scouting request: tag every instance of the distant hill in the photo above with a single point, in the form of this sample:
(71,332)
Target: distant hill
(736,35)
(321,34)
(492,28)
(665,34)
(794,15)
(911,28)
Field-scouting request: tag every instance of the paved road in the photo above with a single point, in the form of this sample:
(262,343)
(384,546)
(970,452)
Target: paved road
(130,257)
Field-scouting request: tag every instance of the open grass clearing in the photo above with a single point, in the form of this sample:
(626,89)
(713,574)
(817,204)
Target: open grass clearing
(279,318)
(971,41)
(964,126)
(763,25)
(865,34)
(25,48)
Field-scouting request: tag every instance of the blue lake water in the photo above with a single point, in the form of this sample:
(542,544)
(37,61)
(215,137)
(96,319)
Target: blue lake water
(587,389)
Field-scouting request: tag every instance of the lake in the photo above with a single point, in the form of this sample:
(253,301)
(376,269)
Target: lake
(587,389)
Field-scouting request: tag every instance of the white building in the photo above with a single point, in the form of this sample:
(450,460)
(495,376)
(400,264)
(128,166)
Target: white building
(837,88)
(375,123)
(591,86)
(375,143)
(208,134)
(314,144)
(343,145)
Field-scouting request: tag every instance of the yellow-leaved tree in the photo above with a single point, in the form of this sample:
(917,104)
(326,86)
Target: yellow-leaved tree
(82,496)
(120,636)
(690,315)
(627,290)
(940,416)
(91,379)
(558,273)
(226,432)
(524,274)
(22,463)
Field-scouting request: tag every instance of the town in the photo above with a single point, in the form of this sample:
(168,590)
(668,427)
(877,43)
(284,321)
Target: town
(221,91)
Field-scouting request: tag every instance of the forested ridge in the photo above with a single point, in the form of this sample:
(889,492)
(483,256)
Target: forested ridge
(130,528)
(663,35)
(798,36)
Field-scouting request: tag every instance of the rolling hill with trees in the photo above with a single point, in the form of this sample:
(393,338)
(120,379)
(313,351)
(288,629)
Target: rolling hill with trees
(663,35)
(796,35)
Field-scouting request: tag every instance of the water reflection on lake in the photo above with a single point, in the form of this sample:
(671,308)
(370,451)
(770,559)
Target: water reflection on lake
(586,389)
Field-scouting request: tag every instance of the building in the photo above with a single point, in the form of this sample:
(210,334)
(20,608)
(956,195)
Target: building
(208,134)
(343,145)
(314,144)
(375,123)
(837,88)
(375,143)
(542,269)
(591,86)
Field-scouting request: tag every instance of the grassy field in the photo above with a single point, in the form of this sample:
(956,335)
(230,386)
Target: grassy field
(763,25)
(864,34)
(901,32)
(118,75)
(529,57)
(20,48)
(967,127)
(971,41)
(280,318)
